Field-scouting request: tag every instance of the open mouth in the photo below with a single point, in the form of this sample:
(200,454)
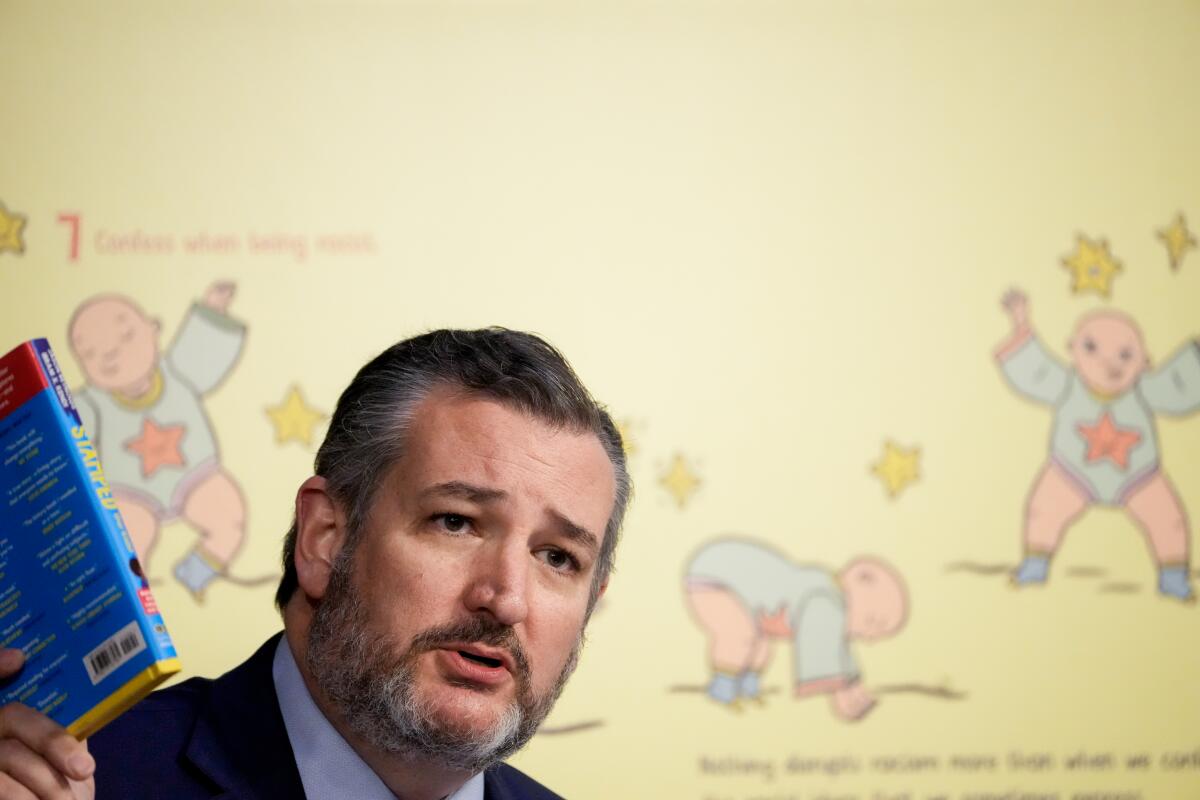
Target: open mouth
(493,663)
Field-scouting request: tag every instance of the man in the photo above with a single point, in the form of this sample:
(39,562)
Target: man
(442,566)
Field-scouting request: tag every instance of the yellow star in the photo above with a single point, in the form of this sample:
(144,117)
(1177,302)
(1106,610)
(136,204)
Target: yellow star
(680,481)
(10,231)
(1092,266)
(897,468)
(1178,240)
(294,419)
(625,428)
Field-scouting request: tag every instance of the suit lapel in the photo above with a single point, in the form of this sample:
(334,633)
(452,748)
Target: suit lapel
(494,788)
(240,741)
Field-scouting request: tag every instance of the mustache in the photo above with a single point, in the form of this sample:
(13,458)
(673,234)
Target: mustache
(476,629)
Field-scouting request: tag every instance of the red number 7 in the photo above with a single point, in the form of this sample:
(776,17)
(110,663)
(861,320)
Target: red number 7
(74,221)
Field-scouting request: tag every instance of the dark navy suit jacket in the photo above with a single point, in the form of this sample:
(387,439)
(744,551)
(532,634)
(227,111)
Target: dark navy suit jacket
(225,738)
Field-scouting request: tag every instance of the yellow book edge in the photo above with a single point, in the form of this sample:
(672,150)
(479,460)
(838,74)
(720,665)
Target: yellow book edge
(124,698)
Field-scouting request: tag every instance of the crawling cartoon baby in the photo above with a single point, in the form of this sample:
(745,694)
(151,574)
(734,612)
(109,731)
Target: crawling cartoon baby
(744,594)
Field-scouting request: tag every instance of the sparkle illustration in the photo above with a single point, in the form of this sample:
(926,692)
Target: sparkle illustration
(1178,240)
(11,227)
(1092,267)
(897,467)
(680,480)
(294,419)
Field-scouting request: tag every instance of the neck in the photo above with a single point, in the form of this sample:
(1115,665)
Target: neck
(140,387)
(407,778)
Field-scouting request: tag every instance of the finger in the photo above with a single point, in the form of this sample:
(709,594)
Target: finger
(11,660)
(11,790)
(45,736)
(32,772)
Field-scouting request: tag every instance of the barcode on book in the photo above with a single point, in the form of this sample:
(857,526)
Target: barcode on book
(113,652)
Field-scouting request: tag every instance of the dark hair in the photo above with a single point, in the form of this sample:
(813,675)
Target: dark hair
(368,429)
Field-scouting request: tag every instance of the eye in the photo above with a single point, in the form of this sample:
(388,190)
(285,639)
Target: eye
(559,560)
(1126,354)
(1089,345)
(127,336)
(451,523)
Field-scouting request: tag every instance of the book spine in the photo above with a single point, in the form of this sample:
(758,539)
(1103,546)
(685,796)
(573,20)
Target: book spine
(87,462)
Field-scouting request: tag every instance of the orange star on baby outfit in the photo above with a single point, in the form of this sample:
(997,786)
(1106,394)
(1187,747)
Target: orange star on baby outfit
(1106,440)
(158,447)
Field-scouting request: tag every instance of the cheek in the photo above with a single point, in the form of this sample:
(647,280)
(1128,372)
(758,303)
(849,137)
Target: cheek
(407,597)
(552,636)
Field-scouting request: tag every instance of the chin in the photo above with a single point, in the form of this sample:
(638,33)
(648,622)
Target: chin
(1104,386)
(464,710)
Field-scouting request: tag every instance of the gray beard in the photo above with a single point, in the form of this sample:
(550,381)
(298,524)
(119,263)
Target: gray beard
(370,680)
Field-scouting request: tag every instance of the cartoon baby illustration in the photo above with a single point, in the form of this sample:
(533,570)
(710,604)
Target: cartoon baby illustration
(144,410)
(1103,445)
(745,594)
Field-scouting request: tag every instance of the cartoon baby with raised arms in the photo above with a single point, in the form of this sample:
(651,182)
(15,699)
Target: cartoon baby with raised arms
(744,594)
(1103,446)
(143,408)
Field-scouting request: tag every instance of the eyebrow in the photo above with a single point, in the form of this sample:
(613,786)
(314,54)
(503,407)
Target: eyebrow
(576,533)
(467,491)
(482,494)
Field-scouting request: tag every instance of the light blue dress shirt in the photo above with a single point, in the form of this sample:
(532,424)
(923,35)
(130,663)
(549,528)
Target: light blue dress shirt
(329,767)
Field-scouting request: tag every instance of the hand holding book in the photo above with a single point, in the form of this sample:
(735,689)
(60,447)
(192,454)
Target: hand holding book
(37,755)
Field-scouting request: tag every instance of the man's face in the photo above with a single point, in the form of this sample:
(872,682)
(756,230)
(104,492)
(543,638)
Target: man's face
(470,583)
(116,345)
(1108,353)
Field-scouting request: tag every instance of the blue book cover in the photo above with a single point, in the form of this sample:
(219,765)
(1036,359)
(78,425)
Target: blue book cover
(73,596)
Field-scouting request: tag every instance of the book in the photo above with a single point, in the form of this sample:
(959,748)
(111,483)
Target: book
(73,596)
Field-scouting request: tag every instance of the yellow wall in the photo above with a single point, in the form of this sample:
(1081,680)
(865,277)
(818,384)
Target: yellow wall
(771,236)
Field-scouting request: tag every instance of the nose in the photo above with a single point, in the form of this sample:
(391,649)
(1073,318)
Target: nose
(499,582)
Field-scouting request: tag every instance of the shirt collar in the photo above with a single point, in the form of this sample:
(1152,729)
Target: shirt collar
(329,767)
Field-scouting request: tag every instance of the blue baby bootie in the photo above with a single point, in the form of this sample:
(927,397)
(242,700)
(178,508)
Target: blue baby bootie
(748,685)
(723,688)
(1034,569)
(1173,582)
(195,572)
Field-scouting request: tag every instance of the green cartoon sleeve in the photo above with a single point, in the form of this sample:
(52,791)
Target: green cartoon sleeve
(206,347)
(1036,374)
(1175,388)
(822,651)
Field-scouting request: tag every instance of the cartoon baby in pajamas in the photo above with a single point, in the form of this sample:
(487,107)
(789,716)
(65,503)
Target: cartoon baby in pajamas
(144,409)
(1104,446)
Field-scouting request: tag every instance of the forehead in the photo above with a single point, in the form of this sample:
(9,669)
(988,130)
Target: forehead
(103,312)
(1110,328)
(458,436)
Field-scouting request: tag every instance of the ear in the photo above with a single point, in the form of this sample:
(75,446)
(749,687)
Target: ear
(154,323)
(320,533)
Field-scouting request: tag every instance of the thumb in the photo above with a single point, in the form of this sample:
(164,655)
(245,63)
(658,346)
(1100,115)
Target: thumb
(11,661)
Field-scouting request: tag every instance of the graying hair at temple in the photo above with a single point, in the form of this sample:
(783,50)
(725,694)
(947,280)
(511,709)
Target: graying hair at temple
(367,432)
